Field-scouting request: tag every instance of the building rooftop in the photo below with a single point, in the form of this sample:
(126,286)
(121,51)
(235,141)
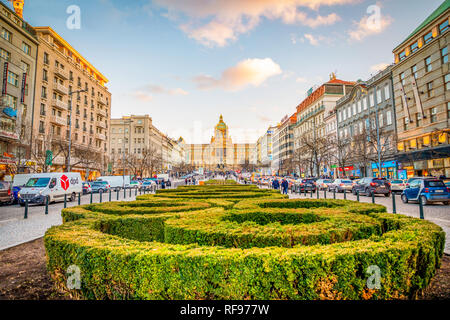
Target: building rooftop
(436,13)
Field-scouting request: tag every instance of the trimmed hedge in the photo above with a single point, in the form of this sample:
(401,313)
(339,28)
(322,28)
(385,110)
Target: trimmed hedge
(258,246)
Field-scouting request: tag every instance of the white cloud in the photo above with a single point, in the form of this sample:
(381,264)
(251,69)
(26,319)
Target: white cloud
(217,23)
(379,67)
(365,27)
(146,93)
(301,80)
(316,40)
(247,72)
(142,96)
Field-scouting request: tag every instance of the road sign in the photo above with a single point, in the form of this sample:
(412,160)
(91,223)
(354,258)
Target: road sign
(48,157)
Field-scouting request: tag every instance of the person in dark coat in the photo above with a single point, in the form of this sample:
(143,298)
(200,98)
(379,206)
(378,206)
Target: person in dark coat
(163,184)
(285,186)
(276,184)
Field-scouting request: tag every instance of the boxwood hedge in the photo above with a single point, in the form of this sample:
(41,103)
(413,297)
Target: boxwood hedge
(240,242)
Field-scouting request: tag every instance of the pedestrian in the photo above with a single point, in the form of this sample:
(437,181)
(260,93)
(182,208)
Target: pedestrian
(275,184)
(285,186)
(163,184)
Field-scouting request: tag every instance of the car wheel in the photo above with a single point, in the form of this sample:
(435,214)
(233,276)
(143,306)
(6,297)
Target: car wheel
(368,193)
(424,200)
(73,197)
(354,192)
(404,198)
(387,194)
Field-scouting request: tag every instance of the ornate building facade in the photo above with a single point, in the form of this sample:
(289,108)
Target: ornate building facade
(220,153)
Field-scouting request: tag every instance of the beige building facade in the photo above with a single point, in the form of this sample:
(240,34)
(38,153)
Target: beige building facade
(18,51)
(69,90)
(421,77)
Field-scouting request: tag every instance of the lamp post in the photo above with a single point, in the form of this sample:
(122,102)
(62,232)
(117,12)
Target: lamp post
(70,125)
(125,121)
(378,130)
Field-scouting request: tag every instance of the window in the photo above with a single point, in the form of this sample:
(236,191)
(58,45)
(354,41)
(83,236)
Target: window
(402,55)
(6,35)
(418,118)
(11,101)
(380,120)
(447,81)
(354,109)
(359,106)
(414,47)
(402,78)
(13,79)
(41,127)
(448,110)
(365,103)
(46,60)
(433,115)
(44,92)
(428,37)
(444,54)
(428,66)
(414,71)
(388,117)
(5,55)
(26,48)
(387,93)
(430,91)
(372,100)
(405,124)
(42,111)
(379,96)
(443,26)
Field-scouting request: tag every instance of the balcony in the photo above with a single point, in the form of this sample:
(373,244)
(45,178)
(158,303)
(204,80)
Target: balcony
(60,88)
(101,136)
(101,112)
(59,104)
(101,124)
(62,73)
(58,120)
(101,100)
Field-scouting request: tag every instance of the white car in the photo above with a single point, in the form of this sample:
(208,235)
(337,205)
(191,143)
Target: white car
(53,186)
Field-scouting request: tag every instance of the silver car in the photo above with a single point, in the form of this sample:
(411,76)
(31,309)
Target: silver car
(339,185)
(398,185)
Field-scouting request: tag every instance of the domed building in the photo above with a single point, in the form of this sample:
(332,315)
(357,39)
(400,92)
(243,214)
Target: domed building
(221,153)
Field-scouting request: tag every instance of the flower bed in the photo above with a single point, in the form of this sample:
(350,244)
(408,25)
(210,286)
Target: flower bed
(239,242)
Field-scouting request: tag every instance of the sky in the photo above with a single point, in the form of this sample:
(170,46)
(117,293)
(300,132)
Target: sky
(185,62)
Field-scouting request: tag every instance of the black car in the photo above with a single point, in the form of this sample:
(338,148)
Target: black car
(369,186)
(308,184)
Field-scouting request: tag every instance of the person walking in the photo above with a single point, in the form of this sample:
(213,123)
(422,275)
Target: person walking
(163,184)
(285,186)
(276,184)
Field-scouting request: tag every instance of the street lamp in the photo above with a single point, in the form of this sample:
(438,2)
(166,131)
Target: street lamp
(125,121)
(70,125)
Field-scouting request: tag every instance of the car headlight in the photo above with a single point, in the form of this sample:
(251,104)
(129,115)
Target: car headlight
(18,195)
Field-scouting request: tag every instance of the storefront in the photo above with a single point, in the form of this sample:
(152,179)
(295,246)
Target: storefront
(388,170)
(425,168)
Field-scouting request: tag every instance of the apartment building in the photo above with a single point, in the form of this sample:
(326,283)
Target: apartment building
(366,116)
(265,156)
(331,163)
(283,145)
(72,105)
(421,79)
(312,111)
(136,142)
(18,51)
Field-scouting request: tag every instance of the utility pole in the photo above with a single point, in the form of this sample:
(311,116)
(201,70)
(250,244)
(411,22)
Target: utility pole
(70,126)
(125,121)
(378,131)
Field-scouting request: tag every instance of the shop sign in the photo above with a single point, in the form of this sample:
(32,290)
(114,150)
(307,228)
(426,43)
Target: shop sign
(420,165)
(6,161)
(387,164)
(349,168)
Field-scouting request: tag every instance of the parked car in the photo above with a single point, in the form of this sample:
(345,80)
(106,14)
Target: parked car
(100,186)
(372,186)
(428,190)
(322,184)
(398,185)
(148,185)
(6,195)
(116,182)
(341,185)
(303,185)
(86,188)
(135,184)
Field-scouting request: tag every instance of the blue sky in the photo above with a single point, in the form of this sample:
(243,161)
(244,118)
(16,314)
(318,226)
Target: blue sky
(186,62)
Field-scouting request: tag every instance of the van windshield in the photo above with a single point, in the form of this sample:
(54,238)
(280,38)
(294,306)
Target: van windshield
(37,182)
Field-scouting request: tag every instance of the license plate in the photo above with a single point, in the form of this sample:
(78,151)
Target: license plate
(438,190)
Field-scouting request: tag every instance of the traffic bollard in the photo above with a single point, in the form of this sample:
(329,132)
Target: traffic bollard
(317,193)
(26,210)
(65,201)
(357,195)
(394,207)
(345,194)
(311,193)
(373,197)
(117,194)
(100,194)
(125,193)
(110,195)
(130,193)
(92,195)
(140,192)
(421,208)
(79,198)
(135,192)
(325,194)
(46,205)
(334,193)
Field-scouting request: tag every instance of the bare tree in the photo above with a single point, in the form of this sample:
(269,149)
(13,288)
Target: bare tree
(39,154)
